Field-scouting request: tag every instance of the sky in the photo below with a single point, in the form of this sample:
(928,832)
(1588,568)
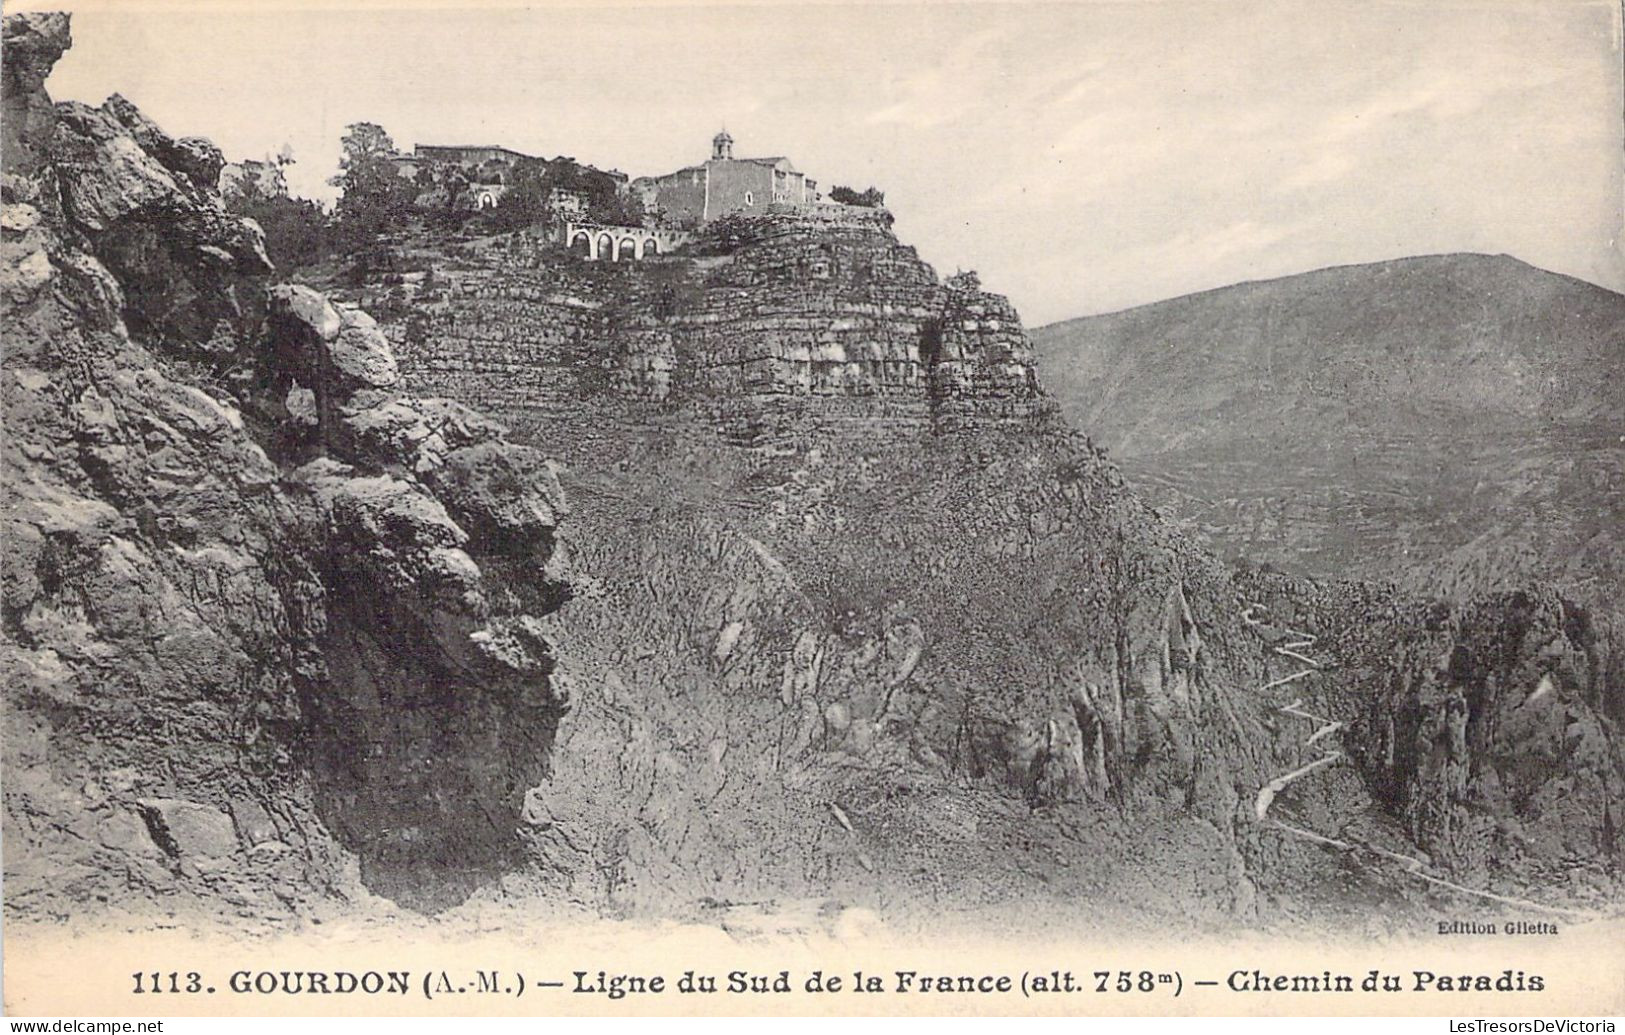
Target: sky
(1083,158)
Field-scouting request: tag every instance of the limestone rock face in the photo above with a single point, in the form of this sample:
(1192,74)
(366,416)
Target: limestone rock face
(252,658)
(186,829)
(195,159)
(1494,744)
(849,311)
(506,497)
(805,319)
(188,269)
(33,43)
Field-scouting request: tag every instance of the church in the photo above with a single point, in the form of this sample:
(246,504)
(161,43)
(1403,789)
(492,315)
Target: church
(723,186)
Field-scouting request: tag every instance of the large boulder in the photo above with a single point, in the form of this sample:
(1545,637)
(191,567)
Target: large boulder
(32,44)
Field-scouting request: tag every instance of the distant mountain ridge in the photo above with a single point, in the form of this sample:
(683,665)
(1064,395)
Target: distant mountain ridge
(1450,411)
(1471,331)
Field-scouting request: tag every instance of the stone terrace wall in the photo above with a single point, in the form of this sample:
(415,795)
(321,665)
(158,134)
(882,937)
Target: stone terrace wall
(810,320)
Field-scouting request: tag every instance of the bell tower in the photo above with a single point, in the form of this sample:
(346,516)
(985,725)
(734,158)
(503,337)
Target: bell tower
(722,146)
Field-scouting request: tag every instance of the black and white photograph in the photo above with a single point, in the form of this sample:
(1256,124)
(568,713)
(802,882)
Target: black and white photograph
(1103,508)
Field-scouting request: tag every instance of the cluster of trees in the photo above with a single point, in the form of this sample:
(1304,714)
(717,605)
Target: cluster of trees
(531,182)
(296,231)
(377,200)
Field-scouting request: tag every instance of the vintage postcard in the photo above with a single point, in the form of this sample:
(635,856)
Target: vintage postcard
(697,508)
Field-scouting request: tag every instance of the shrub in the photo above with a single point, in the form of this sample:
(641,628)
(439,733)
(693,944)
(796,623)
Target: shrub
(871,198)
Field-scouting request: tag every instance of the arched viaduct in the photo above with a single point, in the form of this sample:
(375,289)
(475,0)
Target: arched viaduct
(620,243)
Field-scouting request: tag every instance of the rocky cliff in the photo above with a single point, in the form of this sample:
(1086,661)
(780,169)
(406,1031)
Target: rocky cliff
(813,320)
(270,624)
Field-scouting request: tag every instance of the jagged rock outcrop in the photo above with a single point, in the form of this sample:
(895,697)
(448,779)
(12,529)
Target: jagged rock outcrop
(265,617)
(32,46)
(436,715)
(1481,727)
(147,206)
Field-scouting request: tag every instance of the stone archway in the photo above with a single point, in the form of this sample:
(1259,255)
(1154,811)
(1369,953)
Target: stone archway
(605,243)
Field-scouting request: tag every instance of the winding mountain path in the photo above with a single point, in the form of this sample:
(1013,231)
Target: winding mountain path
(1292,646)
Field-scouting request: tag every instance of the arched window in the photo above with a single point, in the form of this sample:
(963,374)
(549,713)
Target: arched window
(651,247)
(750,198)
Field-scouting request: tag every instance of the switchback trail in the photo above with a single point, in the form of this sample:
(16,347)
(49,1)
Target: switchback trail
(1324,729)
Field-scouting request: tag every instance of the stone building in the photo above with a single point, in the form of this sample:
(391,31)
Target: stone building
(484,163)
(469,156)
(723,186)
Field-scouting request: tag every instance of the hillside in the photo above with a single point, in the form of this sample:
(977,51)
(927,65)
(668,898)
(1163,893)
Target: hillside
(840,610)
(1447,420)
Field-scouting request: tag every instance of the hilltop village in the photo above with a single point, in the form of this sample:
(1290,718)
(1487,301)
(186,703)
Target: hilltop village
(602,215)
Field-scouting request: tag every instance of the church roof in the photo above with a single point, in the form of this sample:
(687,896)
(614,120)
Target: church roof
(773,160)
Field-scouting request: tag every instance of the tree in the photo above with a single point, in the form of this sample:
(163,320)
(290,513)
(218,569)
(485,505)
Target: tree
(295,229)
(525,202)
(605,203)
(376,197)
(445,196)
(364,143)
(871,198)
(530,183)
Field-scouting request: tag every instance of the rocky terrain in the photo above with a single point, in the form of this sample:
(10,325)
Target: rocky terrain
(271,625)
(1448,423)
(842,609)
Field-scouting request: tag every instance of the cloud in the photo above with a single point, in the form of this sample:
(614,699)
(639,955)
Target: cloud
(955,87)
(1326,168)
(1215,246)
